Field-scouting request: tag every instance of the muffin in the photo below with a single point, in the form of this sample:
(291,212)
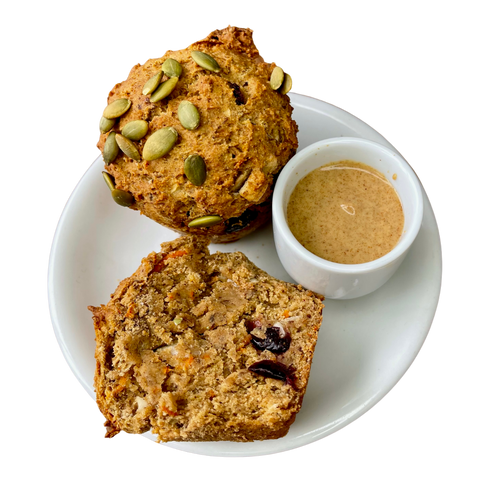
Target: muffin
(196,138)
(200,347)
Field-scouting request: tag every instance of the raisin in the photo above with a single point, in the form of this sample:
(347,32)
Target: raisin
(274,340)
(241,222)
(272,369)
(238,94)
(251,324)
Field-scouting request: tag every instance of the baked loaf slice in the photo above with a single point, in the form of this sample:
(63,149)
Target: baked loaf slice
(200,347)
(245,136)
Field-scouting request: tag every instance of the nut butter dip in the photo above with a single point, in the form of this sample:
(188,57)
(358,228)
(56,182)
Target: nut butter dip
(346,212)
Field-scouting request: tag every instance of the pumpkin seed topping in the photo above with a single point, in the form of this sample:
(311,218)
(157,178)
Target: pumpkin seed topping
(128,147)
(205,61)
(116,108)
(286,85)
(164,89)
(151,85)
(109,181)
(135,130)
(159,143)
(277,77)
(205,221)
(188,115)
(171,67)
(110,149)
(123,198)
(105,125)
(195,169)
(282,80)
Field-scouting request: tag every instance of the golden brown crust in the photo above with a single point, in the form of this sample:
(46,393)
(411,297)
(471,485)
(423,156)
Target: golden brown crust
(246,136)
(174,349)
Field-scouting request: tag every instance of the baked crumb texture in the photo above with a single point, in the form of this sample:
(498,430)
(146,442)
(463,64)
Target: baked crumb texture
(246,136)
(174,346)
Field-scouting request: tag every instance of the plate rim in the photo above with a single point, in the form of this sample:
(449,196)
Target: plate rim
(338,431)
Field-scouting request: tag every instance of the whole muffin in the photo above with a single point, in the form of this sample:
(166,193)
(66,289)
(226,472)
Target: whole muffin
(231,128)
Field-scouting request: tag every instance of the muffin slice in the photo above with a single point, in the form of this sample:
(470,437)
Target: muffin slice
(200,347)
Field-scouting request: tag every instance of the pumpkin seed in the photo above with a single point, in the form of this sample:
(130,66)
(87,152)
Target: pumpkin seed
(110,150)
(286,86)
(105,125)
(123,198)
(188,115)
(177,320)
(205,61)
(195,169)
(240,180)
(159,143)
(151,85)
(164,89)
(109,181)
(171,67)
(135,130)
(205,221)
(116,108)
(277,77)
(127,147)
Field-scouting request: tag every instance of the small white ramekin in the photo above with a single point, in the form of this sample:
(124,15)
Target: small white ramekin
(345,281)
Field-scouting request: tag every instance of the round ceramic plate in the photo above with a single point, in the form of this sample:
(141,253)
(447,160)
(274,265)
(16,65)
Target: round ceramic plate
(365,345)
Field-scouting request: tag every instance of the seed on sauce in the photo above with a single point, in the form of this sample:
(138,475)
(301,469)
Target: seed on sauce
(346,212)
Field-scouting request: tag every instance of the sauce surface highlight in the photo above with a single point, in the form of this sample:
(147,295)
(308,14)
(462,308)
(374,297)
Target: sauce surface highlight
(346,212)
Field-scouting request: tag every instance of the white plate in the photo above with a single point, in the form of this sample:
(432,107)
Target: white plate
(365,345)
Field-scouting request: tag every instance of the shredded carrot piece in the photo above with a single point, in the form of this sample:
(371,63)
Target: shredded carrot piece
(177,253)
(286,313)
(315,329)
(188,361)
(122,383)
(131,311)
(172,255)
(245,342)
(164,409)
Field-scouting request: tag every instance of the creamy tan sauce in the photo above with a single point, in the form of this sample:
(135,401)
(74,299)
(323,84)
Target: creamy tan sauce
(346,212)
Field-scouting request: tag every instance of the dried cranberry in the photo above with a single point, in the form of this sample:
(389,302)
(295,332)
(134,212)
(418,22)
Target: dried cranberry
(275,340)
(271,369)
(251,324)
(242,221)
(238,95)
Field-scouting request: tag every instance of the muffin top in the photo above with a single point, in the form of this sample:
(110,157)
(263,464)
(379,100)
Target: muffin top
(244,136)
